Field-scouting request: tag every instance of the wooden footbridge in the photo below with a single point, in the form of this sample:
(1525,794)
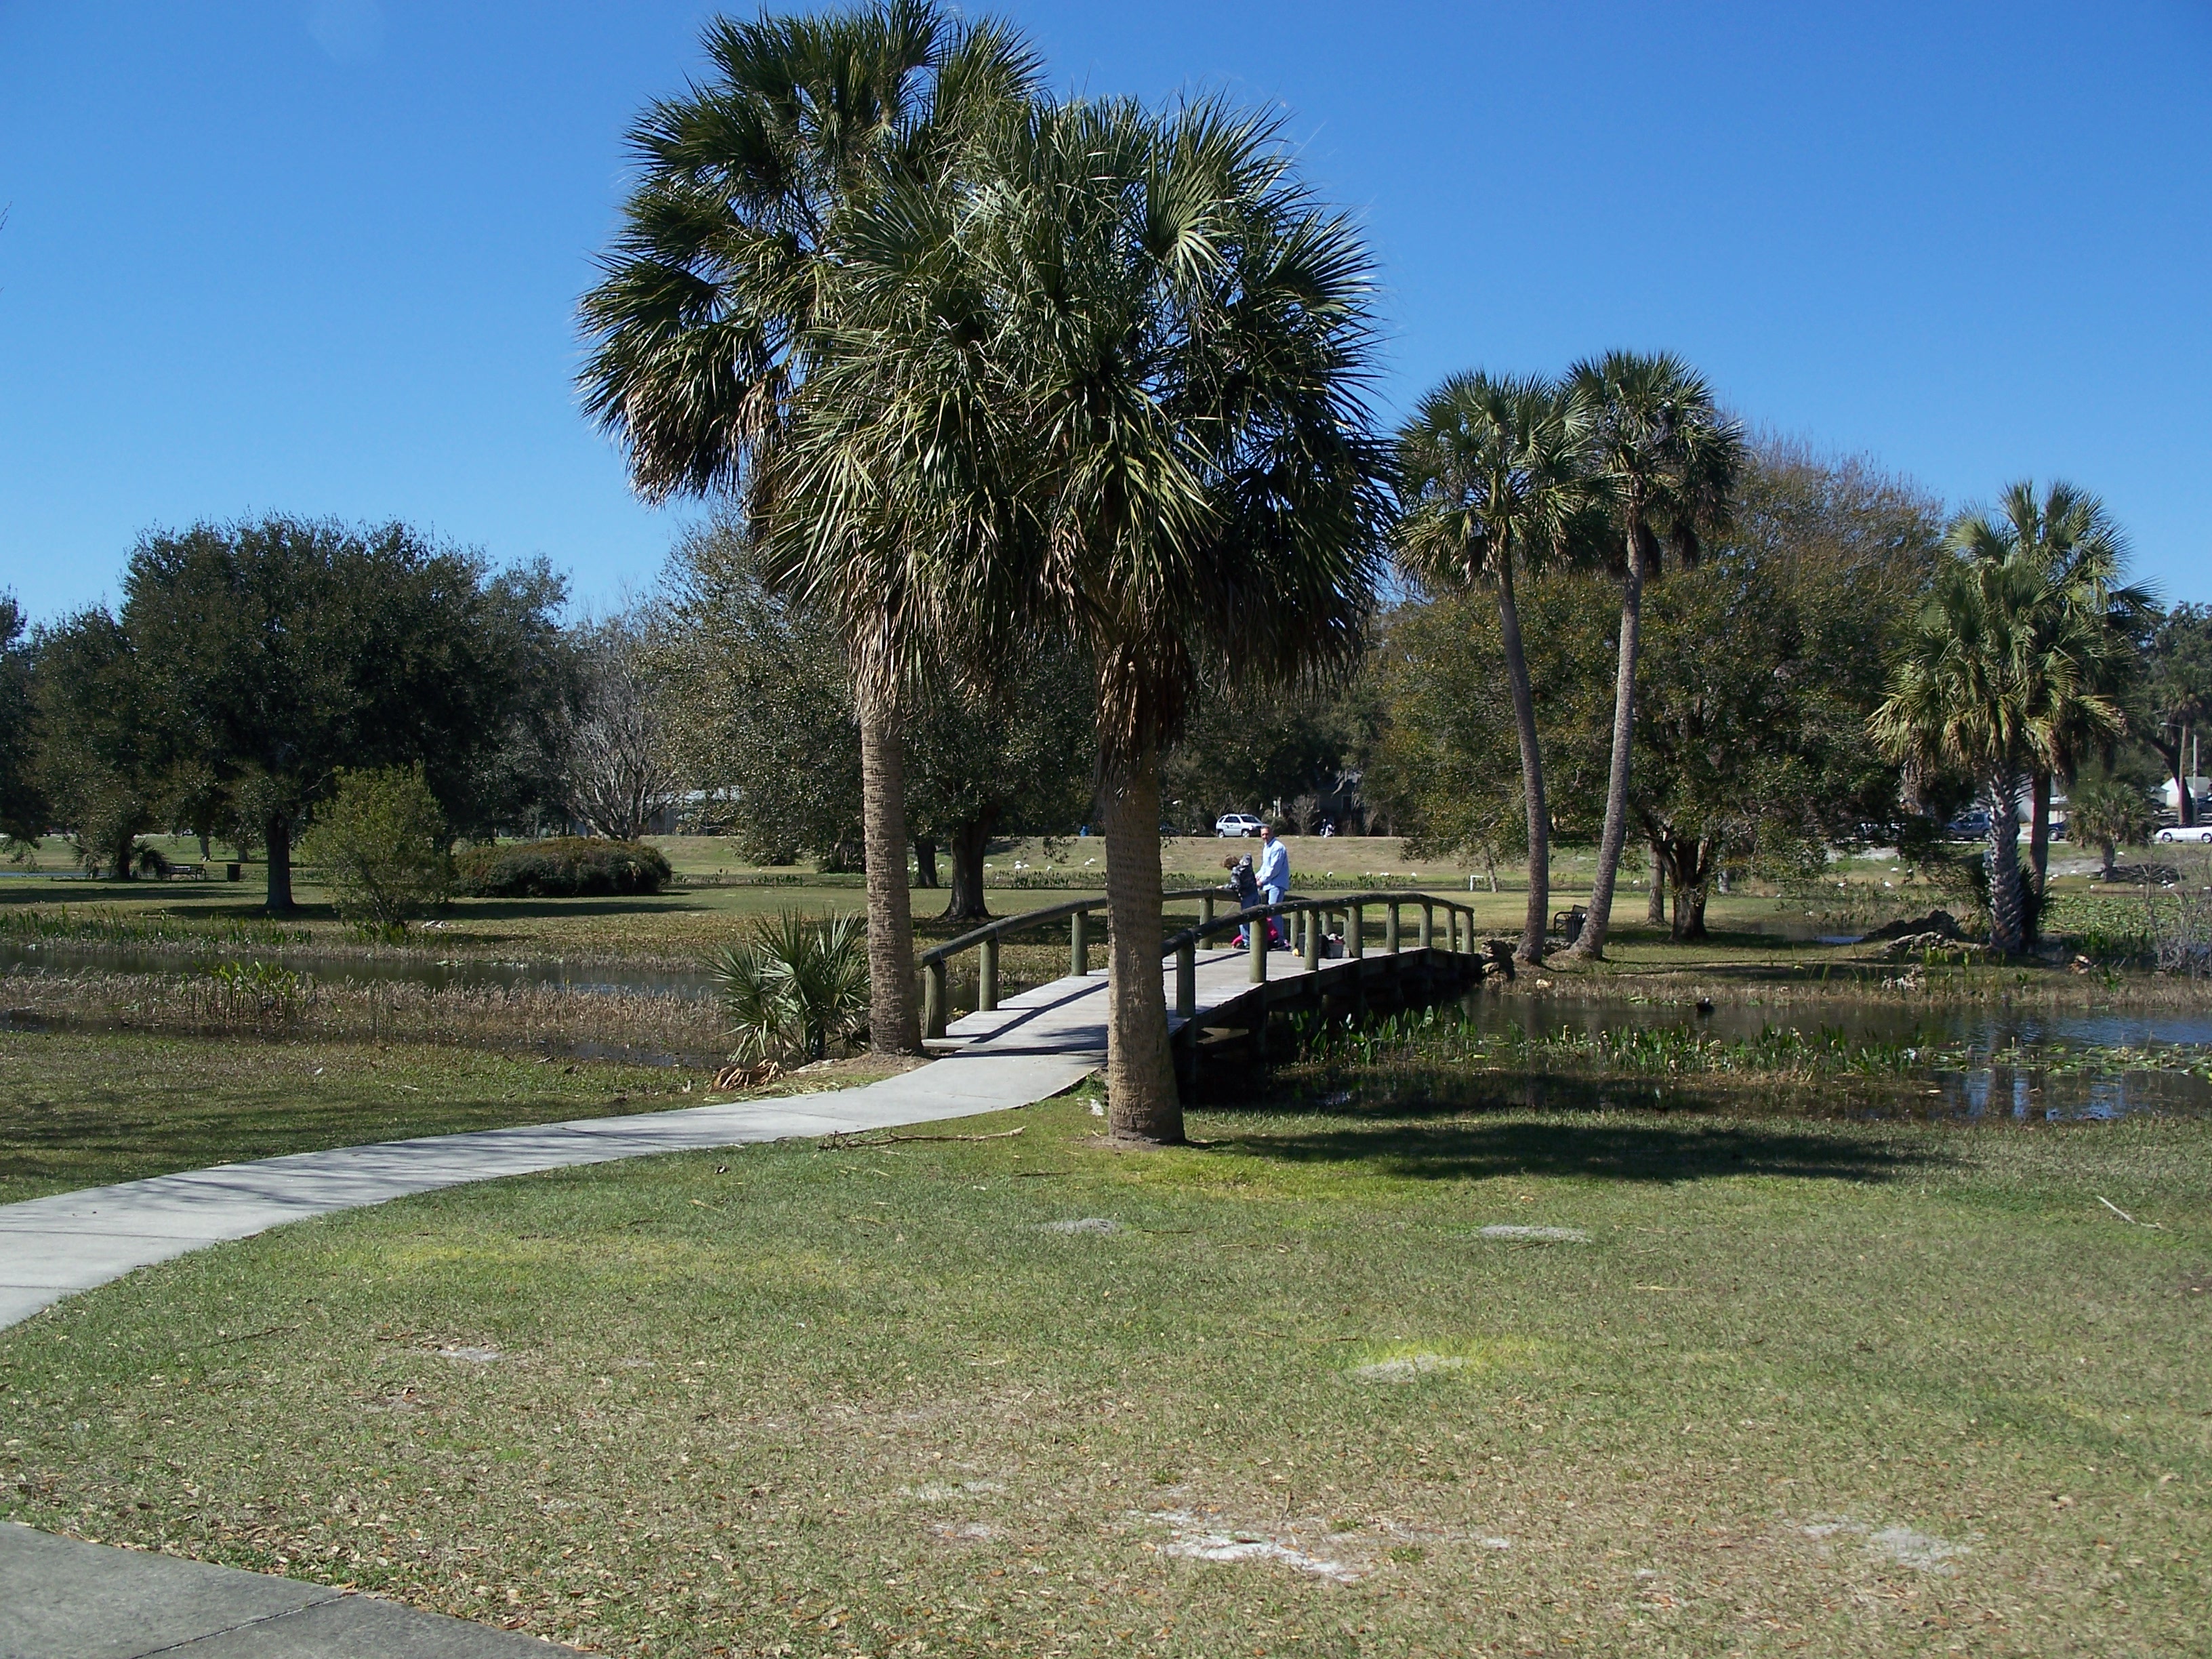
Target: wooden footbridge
(1340,955)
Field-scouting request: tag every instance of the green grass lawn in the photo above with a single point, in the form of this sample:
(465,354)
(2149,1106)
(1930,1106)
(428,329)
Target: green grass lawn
(1780,1385)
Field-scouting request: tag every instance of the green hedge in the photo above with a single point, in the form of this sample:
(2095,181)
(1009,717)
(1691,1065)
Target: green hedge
(567,866)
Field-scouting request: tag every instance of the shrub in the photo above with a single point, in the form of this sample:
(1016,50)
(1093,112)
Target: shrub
(562,867)
(795,987)
(382,846)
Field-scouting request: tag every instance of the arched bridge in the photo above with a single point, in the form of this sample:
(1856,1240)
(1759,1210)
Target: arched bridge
(1345,954)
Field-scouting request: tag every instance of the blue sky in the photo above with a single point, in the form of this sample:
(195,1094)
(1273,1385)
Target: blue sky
(322,257)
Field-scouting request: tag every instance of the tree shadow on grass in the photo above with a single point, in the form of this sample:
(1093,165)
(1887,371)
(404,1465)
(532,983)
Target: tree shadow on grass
(1656,1150)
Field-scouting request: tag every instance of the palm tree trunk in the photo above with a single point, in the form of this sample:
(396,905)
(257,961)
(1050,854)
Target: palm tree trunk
(2008,908)
(1141,1101)
(1538,915)
(1590,947)
(894,1022)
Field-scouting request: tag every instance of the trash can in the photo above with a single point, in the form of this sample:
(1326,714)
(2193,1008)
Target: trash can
(231,873)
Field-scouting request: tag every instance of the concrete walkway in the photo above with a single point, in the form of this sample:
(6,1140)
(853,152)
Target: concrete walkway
(1035,1045)
(63,1599)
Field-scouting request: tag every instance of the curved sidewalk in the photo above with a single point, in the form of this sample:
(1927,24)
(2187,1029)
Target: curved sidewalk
(1035,1045)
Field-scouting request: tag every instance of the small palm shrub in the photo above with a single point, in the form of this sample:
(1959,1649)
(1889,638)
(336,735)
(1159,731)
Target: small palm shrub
(795,986)
(382,848)
(562,867)
(2109,814)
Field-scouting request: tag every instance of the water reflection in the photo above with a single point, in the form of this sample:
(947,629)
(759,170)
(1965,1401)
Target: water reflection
(1986,1063)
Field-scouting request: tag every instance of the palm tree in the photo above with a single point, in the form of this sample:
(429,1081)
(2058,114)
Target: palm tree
(1988,680)
(709,317)
(2069,536)
(1110,391)
(1490,470)
(1669,460)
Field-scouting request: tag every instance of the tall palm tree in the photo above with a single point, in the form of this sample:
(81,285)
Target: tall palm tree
(710,317)
(1490,472)
(2068,535)
(1669,460)
(1989,677)
(1111,388)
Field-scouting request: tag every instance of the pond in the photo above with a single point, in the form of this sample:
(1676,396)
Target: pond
(1975,1061)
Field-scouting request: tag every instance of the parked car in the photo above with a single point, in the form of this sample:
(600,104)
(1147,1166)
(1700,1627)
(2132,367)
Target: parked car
(2189,832)
(1969,825)
(1236,824)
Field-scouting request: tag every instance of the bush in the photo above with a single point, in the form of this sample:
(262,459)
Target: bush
(795,987)
(380,844)
(564,866)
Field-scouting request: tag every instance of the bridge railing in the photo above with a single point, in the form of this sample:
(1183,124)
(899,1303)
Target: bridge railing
(1309,920)
(1218,914)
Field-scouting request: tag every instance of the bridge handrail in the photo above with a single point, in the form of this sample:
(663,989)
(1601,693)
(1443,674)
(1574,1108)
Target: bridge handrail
(1000,927)
(1198,933)
(1183,945)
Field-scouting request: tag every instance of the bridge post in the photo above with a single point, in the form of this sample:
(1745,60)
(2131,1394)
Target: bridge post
(1313,944)
(1255,937)
(1428,923)
(933,1000)
(1391,928)
(1355,929)
(1205,911)
(1078,944)
(1187,982)
(987,975)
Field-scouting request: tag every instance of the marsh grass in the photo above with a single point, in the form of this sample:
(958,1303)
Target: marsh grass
(1821,1388)
(254,997)
(1444,1041)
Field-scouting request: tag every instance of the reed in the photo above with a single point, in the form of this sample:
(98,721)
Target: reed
(260,998)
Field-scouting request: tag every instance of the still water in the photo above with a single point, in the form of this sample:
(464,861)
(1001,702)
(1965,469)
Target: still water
(1977,1061)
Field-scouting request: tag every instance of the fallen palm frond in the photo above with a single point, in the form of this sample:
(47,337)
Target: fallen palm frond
(860,1142)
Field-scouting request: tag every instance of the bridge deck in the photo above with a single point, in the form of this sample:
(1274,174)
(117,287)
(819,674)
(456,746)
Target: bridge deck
(1067,1017)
